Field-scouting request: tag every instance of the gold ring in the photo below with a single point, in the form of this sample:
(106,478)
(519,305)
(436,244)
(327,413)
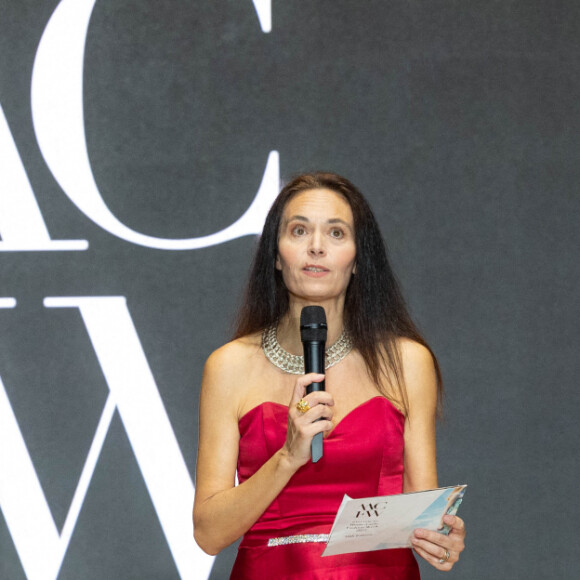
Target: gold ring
(445,558)
(302,405)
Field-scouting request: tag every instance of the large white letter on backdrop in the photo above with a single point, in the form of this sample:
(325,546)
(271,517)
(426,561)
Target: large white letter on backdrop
(58,117)
(22,226)
(132,390)
(264,11)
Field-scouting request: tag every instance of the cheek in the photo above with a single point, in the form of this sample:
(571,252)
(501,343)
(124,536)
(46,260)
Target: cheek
(348,259)
(287,257)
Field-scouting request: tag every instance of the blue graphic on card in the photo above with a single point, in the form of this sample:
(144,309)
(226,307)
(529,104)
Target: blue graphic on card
(446,503)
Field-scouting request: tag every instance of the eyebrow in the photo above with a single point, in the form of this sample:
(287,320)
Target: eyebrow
(302,218)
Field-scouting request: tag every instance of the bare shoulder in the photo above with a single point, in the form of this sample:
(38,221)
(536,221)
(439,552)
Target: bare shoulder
(415,355)
(232,361)
(419,373)
(227,374)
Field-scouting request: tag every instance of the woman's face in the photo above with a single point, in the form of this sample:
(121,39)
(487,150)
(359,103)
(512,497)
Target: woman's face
(316,246)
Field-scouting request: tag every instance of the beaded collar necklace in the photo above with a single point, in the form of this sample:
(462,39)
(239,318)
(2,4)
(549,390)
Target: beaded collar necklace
(294,364)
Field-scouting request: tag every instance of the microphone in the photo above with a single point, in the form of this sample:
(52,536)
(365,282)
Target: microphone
(313,337)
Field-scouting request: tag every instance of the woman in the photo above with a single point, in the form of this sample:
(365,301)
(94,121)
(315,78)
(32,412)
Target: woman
(320,246)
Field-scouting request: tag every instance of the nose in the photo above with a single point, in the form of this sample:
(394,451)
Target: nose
(316,247)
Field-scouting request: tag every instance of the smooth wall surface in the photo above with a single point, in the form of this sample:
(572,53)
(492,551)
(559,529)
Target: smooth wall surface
(134,135)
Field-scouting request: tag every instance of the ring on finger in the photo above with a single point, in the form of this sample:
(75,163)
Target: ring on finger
(302,406)
(445,558)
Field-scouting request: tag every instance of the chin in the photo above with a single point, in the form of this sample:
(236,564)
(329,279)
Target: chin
(315,297)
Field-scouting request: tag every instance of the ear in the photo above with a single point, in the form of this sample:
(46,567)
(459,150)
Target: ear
(278,263)
(354,270)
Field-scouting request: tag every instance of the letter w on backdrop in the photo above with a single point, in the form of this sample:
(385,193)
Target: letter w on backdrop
(132,390)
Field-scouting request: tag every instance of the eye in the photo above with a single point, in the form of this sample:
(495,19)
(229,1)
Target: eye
(336,233)
(298,230)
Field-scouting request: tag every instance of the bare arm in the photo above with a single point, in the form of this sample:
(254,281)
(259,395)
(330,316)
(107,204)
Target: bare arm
(222,512)
(421,384)
(439,550)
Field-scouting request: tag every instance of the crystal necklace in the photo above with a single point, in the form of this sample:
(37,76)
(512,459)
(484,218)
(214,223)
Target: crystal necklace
(294,364)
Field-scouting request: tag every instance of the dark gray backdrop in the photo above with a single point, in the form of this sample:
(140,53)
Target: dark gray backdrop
(460,122)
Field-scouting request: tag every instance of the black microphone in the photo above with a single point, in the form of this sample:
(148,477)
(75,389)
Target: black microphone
(313,337)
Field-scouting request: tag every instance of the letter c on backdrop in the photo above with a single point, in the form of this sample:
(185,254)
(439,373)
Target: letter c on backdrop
(58,118)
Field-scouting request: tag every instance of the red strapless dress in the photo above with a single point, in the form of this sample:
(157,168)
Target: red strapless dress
(363,457)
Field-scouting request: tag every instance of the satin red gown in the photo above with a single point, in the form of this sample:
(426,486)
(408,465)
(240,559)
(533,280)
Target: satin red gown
(363,457)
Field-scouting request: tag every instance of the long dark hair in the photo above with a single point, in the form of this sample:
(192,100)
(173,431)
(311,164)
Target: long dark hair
(375,314)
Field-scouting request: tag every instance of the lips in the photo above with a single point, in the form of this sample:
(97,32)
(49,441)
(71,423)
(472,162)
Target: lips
(315,269)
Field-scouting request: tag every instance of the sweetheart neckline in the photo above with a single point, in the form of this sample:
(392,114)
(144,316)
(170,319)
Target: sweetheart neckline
(363,404)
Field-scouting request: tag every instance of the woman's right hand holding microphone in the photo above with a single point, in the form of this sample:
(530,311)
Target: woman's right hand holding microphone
(303,414)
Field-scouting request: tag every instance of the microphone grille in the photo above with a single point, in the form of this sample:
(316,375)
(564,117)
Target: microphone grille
(313,324)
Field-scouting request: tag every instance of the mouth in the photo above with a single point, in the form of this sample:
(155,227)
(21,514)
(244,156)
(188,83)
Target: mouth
(315,269)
